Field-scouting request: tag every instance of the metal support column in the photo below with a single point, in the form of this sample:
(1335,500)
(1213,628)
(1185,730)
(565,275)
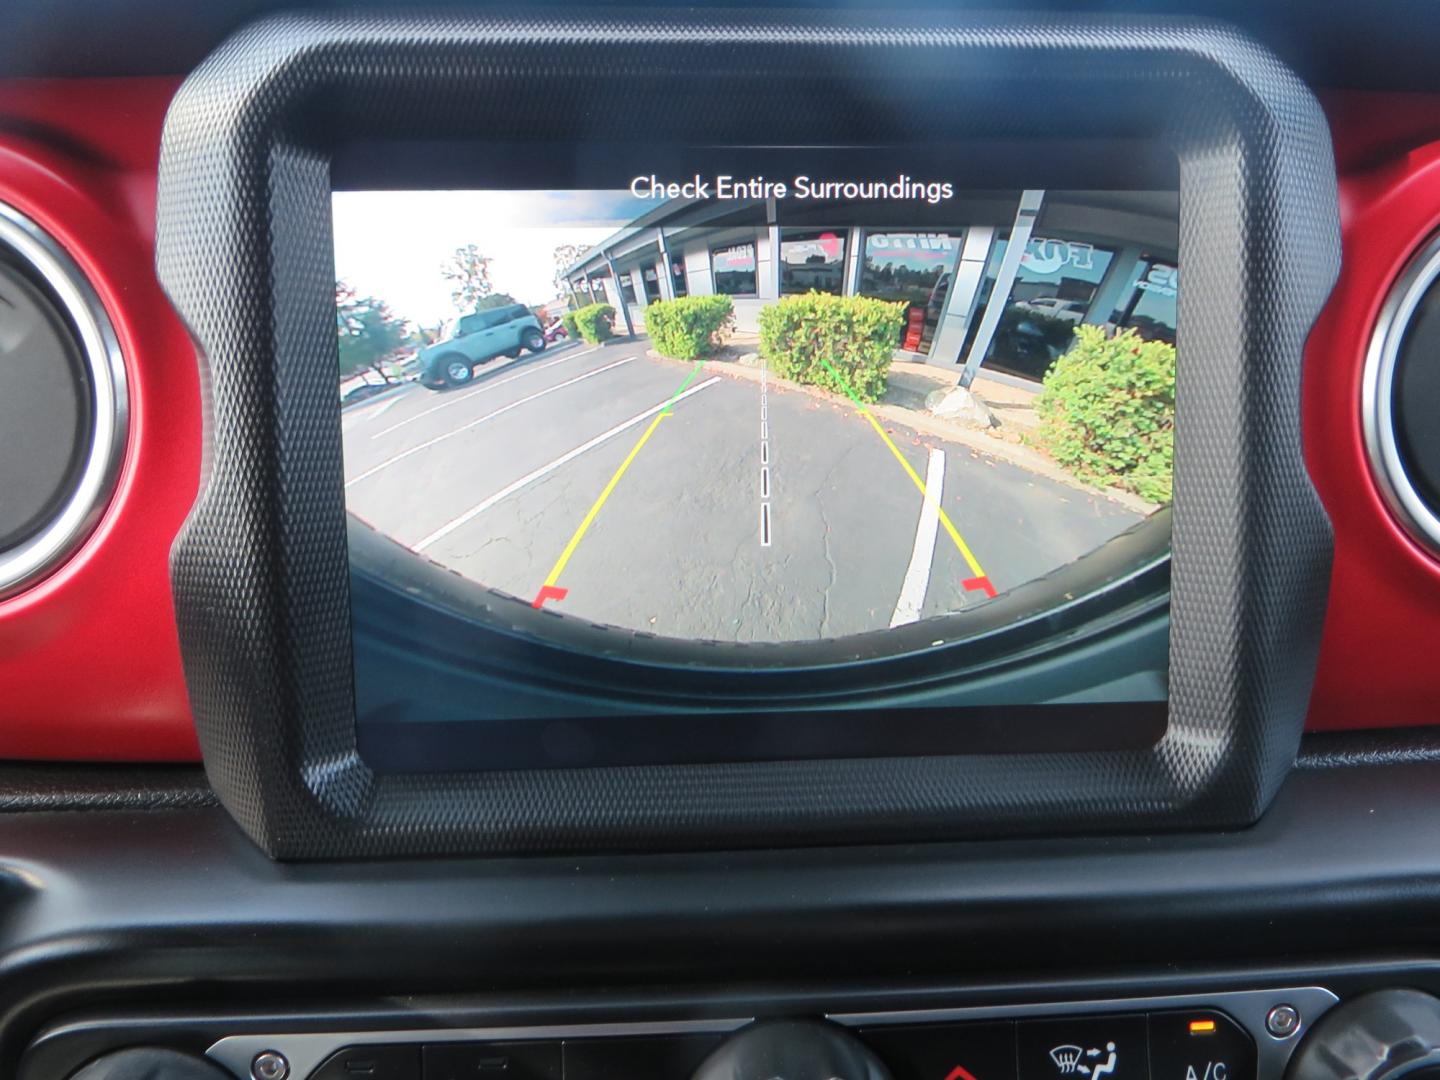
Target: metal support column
(662,270)
(966,281)
(854,258)
(619,295)
(769,288)
(1030,203)
(1115,286)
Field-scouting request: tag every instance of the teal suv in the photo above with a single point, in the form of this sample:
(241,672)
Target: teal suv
(478,339)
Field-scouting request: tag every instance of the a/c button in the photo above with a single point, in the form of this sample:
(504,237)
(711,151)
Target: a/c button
(1200,1044)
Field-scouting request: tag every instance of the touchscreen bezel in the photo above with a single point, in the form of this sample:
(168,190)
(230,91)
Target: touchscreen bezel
(261,571)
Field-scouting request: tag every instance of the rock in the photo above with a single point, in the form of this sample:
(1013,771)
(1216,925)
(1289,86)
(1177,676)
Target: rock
(961,404)
(749,359)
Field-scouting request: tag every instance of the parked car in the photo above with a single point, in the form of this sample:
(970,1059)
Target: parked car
(478,339)
(1069,310)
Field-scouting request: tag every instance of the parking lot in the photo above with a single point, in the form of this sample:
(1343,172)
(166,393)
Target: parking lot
(673,498)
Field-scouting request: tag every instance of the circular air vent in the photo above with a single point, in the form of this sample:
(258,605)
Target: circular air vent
(63,405)
(1401,395)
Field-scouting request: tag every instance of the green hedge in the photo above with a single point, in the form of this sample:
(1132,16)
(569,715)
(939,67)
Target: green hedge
(686,328)
(592,323)
(841,343)
(1108,412)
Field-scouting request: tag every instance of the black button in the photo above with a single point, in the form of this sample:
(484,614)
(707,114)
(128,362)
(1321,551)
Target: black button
(945,1051)
(493,1061)
(1086,1048)
(1199,1045)
(371,1063)
(671,1057)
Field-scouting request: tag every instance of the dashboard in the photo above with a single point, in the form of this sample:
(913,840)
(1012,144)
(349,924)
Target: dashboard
(864,543)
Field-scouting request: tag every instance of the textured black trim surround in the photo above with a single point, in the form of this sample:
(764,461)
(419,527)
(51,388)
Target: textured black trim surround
(1348,749)
(260,572)
(29,787)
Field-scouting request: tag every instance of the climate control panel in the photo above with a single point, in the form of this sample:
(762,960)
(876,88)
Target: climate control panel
(1245,1035)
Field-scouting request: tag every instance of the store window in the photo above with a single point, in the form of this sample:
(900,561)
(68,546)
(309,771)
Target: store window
(1149,309)
(627,287)
(652,284)
(733,269)
(812,261)
(677,277)
(916,268)
(1054,288)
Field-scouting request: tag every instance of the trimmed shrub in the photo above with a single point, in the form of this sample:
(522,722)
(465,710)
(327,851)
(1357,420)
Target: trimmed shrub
(841,343)
(1108,412)
(686,328)
(591,323)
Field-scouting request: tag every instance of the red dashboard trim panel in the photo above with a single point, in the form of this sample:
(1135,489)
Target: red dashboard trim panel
(89,659)
(1377,658)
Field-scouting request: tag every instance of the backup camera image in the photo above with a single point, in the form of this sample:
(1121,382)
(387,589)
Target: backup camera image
(755,419)
(761,418)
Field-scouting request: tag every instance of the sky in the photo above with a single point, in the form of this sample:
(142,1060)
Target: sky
(391,244)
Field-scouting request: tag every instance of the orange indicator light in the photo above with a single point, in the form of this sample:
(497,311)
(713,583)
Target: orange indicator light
(1202,1027)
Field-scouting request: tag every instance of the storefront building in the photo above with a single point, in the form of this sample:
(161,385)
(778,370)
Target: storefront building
(997,281)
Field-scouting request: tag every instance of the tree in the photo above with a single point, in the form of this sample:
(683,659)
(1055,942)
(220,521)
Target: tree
(565,256)
(469,271)
(495,300)
(428,335)
(369,333)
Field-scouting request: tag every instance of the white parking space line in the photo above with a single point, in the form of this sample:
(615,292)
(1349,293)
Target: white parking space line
(546,469)
(917,576)
(487,417)
(488,385)
(765,535)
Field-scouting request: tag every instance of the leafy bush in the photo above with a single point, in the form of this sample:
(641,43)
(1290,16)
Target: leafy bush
(686,328)
(591,323)
(1108,411)
(837,342)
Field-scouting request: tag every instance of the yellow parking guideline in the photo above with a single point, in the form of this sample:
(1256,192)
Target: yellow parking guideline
(550,590)
(981,580)
(595,509)
(919,483)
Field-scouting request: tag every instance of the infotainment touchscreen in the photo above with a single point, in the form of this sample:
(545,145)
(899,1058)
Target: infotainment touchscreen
(636,466)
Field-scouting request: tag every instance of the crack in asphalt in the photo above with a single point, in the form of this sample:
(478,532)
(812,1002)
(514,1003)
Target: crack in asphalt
(830,562)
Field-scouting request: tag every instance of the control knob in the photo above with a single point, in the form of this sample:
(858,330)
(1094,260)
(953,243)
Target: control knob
(150,1063)
(792,1050)
(1380,1036)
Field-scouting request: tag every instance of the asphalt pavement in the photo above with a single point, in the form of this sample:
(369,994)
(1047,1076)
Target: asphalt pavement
(661,496)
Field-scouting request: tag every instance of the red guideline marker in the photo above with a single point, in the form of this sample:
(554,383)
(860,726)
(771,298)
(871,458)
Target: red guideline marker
(960,1073)
(975,584)
(550,592)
